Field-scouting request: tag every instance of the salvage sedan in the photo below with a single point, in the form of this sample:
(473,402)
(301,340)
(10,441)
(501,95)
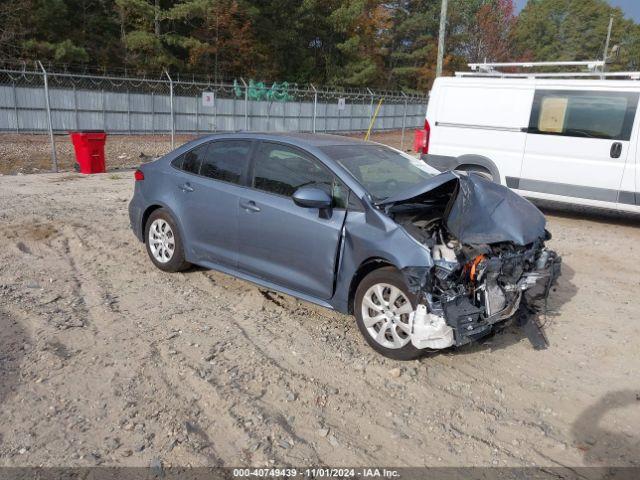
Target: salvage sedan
(424,260)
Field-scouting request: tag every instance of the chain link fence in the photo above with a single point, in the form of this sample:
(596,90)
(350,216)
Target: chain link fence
(37,101)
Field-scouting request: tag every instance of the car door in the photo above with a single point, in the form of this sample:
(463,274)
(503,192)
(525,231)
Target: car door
(210,187)
(292,246)
(577,144)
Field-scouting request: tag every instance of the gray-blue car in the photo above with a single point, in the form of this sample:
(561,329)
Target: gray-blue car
(424,260)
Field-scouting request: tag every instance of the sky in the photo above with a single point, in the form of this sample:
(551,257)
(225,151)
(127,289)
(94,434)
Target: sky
(631,8)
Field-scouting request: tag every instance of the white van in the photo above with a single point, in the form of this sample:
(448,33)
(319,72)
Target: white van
(569,140)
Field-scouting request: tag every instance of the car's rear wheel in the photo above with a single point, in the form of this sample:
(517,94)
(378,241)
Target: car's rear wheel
(382,306)
(164,244)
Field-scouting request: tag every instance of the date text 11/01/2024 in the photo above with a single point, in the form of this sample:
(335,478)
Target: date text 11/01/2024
(316,472)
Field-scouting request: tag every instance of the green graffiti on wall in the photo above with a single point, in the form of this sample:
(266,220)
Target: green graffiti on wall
(259,91)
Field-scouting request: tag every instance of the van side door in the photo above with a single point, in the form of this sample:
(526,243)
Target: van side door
(577,145)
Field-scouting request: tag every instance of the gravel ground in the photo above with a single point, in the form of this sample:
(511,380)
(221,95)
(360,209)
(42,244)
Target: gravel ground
(21,153)
(106,360)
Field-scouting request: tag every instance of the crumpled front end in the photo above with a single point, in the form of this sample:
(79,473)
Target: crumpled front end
(464,300)
(490,262)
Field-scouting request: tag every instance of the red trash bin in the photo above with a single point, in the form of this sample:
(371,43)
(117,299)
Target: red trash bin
(89,147)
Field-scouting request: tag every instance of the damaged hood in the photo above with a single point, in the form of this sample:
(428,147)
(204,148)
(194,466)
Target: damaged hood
(480,211)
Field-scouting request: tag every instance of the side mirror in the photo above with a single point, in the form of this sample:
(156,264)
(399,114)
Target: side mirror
(312,197)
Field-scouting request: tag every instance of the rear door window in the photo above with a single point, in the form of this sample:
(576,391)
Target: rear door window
(226,160)
(606,115)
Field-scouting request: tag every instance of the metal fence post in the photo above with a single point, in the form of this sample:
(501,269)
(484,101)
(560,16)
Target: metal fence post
(54,157)
(404,120)
(104,111)
(173,123)
(153,112)
(198,100)
(246,104)
(128,111)
(75,106)
(371,104)
(215,111)
(15,105)
(315,108)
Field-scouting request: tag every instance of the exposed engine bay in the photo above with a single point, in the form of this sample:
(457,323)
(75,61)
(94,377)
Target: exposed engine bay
(473,287)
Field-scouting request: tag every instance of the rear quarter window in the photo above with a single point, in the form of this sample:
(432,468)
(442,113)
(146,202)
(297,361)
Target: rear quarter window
(191,160)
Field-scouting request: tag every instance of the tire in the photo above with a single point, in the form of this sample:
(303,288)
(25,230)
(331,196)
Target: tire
(394,342)
(483,172)
(163,241)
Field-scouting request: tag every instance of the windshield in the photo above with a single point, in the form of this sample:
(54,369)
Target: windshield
(382,171)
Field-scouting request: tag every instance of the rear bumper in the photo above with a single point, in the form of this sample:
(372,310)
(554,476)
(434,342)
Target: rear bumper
(135,219)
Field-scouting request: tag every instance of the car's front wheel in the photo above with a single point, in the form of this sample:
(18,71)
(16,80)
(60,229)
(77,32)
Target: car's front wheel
(164,244)
(382,307)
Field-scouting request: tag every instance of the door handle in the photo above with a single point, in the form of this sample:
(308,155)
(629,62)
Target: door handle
(186,187)
(616,150)
(250,206)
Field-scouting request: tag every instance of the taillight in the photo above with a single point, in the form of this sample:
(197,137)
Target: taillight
(421,140)
(138,175)
(427,137)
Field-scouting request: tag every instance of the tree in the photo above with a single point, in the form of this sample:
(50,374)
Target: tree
(365,29)
(413,45)
(360,43)
(297,40)
(549,30)
(218,36)
(45,36)
(145,43)
(492,34)
(12,13)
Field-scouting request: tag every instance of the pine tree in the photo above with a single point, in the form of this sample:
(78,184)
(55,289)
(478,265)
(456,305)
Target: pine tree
(414,44)
(217,36)
(365,28)
(146,44)
(549,30)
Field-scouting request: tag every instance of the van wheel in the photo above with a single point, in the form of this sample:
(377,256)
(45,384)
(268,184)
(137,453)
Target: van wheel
(483,172)
(382,306)
(163,241)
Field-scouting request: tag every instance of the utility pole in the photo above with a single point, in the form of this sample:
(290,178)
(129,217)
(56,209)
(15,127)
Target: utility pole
(443,24)
(156,18)
(606,44)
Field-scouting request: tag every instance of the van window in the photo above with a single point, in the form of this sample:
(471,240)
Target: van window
(607,115)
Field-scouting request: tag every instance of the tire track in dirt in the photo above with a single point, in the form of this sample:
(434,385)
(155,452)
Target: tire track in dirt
(303,378)
(199,368)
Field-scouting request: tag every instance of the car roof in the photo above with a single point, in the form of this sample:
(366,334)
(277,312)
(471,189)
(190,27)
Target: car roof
(294,138)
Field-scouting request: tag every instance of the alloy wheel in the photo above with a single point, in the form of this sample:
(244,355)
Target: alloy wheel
(385,313)
(162,242)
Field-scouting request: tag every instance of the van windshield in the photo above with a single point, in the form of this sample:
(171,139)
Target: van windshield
(382,171)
